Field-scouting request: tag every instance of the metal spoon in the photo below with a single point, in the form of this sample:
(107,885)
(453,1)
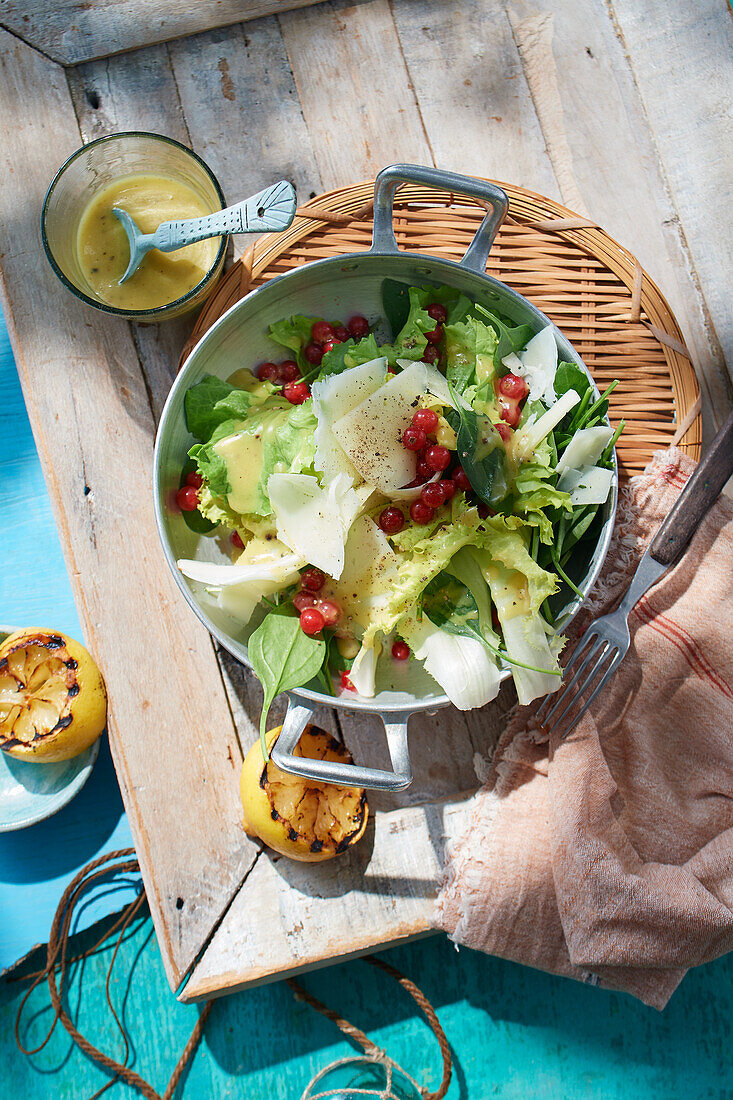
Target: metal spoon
(271,210)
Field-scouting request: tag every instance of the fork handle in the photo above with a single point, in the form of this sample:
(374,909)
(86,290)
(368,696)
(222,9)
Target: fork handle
(696,499)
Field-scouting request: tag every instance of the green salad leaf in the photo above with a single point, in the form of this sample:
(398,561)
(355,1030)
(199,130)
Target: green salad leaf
(212,402)
(282,658)
(480,449)
(294,333)
(401,303)
(288,445)
(511,339)
(469,353)
(210,465)
(349,354)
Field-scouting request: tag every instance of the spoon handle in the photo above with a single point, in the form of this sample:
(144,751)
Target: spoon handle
(271,210)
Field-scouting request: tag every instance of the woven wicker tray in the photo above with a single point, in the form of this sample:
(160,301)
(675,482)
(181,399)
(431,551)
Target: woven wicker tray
(591,287)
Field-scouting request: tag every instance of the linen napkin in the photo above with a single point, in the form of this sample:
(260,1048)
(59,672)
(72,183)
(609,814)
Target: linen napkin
(607,856)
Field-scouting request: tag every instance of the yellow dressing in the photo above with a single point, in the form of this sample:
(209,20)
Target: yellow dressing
(103,250)
(243,454)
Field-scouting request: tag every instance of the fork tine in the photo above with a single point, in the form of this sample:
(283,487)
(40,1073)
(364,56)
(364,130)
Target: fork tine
(561,696)
(580,647)
(601,654)
(615,662)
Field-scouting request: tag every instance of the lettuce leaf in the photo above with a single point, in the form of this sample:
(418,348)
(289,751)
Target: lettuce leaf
(288,446)
(469,353)
(212,402)
(294,333)
(349,354)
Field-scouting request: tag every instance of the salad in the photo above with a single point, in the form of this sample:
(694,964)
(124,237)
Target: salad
(425,496)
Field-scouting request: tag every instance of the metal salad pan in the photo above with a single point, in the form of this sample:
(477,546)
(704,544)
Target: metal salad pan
(338,287)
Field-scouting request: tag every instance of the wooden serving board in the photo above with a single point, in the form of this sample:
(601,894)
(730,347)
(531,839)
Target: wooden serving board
(487,91)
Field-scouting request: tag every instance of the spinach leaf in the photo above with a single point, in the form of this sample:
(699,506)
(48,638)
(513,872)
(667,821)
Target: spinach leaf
(282,657)
(449,605)
(396,304)
(569,376)
(480,450)
(210,403)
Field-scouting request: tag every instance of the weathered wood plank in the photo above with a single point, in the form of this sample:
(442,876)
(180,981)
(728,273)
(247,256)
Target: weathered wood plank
(357,100)
(688,47)
(472,92)
(71,31)
(615,163)
(137,92)
(170,727)
(242,112)
(379,893)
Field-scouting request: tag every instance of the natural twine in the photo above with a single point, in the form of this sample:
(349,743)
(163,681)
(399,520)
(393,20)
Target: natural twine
(124,861)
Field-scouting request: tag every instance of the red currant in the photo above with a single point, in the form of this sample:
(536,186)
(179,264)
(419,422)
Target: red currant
(449,487)
(425,419)
(296,392)
(330,611)
(330,345)
(303,600)
(511,385)
(432,494)
(391,520)
(400,651)
(460,478)
(195,479)
(313,353)
(321,332)
(187,498)
(311,621)
(437,458)
(358,326)
(341,333)
(346,684)
(510,411)
(312,579)
(236,540)
(414,439)
(420,512)
(431,354)
(504,431)
(438,312)
(268,372)
(289,371)
(435,336)
(423,470)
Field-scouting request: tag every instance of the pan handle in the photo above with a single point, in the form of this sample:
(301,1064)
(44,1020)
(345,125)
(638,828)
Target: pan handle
(390,178)
(347,775)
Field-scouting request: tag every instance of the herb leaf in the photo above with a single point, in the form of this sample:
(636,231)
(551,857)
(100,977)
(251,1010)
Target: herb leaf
(479,447)
(282,657)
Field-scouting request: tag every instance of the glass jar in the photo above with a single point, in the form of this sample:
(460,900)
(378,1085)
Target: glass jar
(95,166)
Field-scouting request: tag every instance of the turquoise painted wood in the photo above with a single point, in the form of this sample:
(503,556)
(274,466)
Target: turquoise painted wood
(37,863)
(517,1034)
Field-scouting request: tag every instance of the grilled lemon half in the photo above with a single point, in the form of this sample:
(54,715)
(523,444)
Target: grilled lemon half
(53,703)
(301,818)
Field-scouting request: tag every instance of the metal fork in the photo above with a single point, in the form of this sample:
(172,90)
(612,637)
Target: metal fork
(606,643)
